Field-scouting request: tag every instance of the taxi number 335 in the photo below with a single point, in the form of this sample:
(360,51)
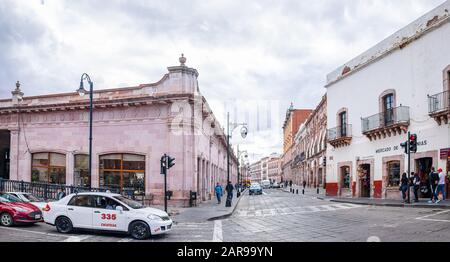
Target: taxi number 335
(109,216)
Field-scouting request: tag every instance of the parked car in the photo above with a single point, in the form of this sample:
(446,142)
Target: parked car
(255,189)
(30,198)
(14,211)
(265,184)
(106,212)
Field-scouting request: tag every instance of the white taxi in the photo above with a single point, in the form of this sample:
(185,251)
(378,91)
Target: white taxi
(106,211)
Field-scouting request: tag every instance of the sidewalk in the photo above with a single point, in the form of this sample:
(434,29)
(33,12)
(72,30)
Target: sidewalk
(389,202)
(206,211)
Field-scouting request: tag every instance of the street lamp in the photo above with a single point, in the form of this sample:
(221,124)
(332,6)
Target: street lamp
(244,132)
(81,91)
(239,156)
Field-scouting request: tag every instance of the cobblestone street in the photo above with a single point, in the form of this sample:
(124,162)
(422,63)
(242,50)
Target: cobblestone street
(277,216)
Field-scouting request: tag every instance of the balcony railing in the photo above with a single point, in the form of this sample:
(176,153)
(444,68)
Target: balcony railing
(339,132)
(439,102)
(340,135)
(398,116)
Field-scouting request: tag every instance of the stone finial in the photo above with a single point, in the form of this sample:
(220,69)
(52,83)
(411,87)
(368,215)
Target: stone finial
(17,93)
(182,60)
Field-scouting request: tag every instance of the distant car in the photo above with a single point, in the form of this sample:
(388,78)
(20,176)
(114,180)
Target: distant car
(255,189)
(14,211)
(275,185)
(265,184)
(30,198)
(106,212)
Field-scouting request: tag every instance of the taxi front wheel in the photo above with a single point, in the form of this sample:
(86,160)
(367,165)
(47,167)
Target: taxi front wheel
(63,225)
(139,230)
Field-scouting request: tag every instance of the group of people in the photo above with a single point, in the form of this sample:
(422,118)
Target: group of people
(436,183)
(219,191)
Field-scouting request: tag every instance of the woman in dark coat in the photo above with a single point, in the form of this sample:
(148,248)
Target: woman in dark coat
(404,186)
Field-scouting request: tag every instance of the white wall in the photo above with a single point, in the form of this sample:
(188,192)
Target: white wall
(414,72)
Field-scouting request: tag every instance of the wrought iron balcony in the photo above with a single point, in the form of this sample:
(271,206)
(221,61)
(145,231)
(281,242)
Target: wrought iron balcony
(390,122)
(439,107)
(340,136)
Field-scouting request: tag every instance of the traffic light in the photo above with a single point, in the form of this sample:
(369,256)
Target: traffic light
(413,143)
(170,162)
(163,164)
(405,146)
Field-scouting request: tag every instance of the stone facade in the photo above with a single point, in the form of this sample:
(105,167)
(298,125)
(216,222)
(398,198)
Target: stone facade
(169,116)
(293,121)
(310,148)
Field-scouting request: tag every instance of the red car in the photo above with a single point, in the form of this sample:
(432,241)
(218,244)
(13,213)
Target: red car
(14,211)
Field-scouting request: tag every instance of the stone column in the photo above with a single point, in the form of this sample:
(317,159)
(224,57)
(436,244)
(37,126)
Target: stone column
(14,155)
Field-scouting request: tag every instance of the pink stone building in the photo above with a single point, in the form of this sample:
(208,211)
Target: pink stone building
(45,138)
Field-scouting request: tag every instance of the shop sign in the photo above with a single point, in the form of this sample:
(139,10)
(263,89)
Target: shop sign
(397,148)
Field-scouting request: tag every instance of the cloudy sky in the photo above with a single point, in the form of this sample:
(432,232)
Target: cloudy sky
(250,54)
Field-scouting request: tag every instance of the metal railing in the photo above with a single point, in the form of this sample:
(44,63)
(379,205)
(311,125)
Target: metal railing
(439,102)
(48,191)
(339,132)
(387,118)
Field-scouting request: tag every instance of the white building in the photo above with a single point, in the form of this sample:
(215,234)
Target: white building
(255,172)
(402,84)
(274,168)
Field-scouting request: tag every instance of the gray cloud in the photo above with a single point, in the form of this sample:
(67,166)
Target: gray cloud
(254,50)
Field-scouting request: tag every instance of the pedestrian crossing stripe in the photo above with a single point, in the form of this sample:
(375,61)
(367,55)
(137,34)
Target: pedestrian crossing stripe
(295,210)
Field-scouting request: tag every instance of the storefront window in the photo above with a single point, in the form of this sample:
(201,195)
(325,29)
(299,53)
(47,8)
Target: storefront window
(123,171)
(345,174)
(81,171)
(48,168)
(394,174)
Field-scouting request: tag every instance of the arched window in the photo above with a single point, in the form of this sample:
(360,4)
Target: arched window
(123,171)
(342,123)
(345,177)
(387,101)
(81,171)
(48,168)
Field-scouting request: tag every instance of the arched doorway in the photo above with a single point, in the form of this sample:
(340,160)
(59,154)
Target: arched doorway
(5,141)
(365,180)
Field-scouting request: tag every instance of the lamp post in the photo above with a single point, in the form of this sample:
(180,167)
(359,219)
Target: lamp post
(81,91)
(244,132)
(239,153)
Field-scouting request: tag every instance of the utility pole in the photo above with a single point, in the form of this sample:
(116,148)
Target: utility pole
(228,147)
(409,166)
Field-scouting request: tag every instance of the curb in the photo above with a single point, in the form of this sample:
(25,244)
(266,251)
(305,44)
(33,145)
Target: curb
(231,213)
(388,204)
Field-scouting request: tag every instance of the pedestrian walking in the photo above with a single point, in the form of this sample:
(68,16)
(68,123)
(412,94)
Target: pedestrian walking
(304,184)
(229,188)
(219,191)
(433,180)
(61,194)
(404,186)
(416,186)
(441,186)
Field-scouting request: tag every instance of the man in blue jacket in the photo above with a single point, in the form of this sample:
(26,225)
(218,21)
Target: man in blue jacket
(218,190)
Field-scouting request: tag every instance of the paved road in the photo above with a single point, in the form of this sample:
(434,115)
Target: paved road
(278,216)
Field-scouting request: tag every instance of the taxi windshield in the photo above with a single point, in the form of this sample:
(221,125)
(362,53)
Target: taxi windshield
(131,203)
(32,198)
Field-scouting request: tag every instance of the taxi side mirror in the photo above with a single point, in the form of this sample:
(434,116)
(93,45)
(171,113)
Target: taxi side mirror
(119,208)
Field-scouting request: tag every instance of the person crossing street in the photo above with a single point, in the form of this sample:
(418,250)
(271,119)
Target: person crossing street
(219,192)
